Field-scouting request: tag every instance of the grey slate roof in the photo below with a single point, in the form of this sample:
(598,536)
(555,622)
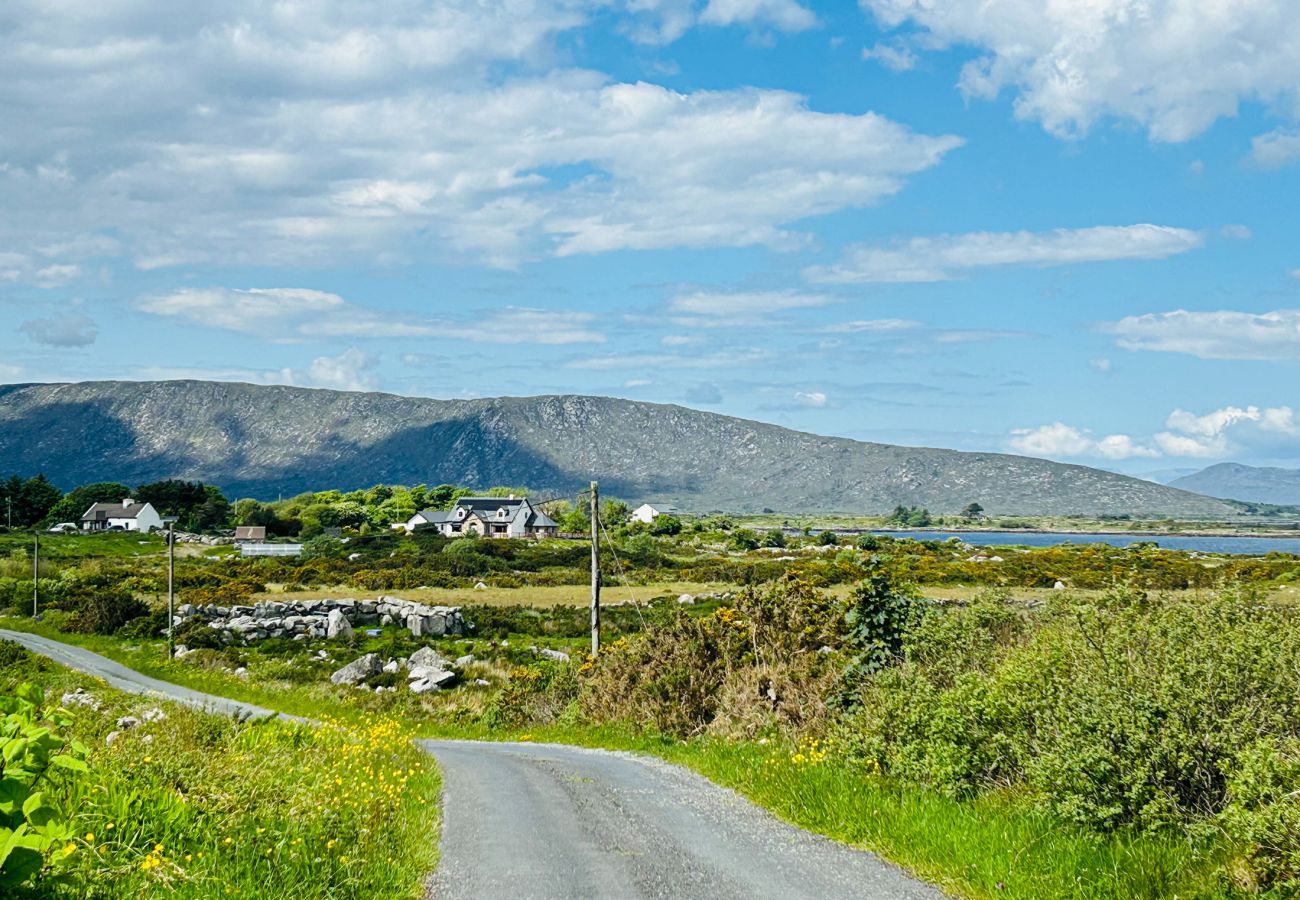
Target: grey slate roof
(100,511)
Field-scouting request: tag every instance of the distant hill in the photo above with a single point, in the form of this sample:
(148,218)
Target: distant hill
(1235,481)
(263,441)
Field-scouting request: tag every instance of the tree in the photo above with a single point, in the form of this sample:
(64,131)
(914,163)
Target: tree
(73,505)
(29,499)
(972,511)
(196,505)
(664,524)
(774,537)
(744,539)
(827,539)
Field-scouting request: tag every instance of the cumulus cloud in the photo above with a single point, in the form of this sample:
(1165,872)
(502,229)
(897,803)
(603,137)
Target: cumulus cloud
(720,360)
(62,331)
(1218,434)
(255,134)
(1222,334)
(297,314)
(1276,149)
(1059,440)
(1172,66)
(351,370)
(897,57)
(814,399)
(946,257)
(787,15)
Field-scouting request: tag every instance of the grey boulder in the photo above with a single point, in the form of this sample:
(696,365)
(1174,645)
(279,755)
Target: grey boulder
(358,670)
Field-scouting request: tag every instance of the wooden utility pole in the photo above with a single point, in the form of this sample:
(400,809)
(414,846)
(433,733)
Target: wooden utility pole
(595,569)
(171,594)
(36,570)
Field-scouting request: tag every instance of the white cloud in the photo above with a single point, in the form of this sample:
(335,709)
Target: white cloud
(1236,232)
(1059,440)
(297,314)
(62,331)
(720,360)
(1218,434)
(1276,149)
(787,15)
(1173,66)
(948,256)
(892,56)
(742,307)
(1222,334)
(815,399)
(351,370)
(859,326)
(256,134)
(1101,363)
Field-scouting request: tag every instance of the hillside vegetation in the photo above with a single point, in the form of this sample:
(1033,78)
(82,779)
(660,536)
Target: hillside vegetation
(264,441)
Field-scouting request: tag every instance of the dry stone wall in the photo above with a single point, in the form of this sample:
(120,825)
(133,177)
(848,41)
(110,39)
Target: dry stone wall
(335,619)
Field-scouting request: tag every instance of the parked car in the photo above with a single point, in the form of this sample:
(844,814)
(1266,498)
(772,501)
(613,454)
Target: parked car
(64,528)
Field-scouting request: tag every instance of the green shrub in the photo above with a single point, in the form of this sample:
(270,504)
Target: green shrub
(105,611)
(39,788)
(197,634)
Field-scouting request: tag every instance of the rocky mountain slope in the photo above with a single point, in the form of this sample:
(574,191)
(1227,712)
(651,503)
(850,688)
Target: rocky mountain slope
(263,441)
(1234,481)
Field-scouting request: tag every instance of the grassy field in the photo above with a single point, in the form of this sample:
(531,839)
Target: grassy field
(192,805)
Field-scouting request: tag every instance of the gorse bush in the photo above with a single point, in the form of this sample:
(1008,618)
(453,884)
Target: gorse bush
(1130,711)
(104,612)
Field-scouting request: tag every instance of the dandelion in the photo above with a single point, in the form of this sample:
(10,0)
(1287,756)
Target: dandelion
(90,837)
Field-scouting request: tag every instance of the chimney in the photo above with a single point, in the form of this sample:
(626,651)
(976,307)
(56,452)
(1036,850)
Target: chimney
(512,496)
(128,501)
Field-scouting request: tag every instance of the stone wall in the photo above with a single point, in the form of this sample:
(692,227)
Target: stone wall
(303,619)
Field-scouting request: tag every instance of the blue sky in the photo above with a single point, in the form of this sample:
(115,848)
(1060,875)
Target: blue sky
(1065,231)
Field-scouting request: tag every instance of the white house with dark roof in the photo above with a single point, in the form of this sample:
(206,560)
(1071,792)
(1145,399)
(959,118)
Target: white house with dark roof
(647,513)
(506,517)
(129,515)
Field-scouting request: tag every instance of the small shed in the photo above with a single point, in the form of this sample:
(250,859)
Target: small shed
(250,534)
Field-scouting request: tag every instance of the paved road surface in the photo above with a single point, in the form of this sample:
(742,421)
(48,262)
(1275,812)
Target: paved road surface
(543,821)
(122,678)
(525,821)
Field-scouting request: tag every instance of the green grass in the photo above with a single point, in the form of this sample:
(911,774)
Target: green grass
(114,545)
(998,846)
(201,806)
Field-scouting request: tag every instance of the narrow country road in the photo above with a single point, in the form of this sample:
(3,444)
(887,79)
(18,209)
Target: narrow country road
(542,821)
(131,681)
(545,821)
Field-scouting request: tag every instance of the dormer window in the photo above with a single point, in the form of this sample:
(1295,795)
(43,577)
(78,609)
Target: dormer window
(460,513)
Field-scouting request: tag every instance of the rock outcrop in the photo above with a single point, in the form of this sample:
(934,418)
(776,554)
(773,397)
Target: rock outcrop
(333,619)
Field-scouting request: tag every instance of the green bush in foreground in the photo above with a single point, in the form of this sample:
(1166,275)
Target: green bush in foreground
(39,772)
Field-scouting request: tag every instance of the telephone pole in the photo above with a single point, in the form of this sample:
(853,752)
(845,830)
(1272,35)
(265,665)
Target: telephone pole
(595,569)
(36,571)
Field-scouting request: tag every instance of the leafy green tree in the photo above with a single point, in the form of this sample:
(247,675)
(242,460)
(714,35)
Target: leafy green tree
(774,537)
(972,511)
(73,505)
(744,539)
(828,539)
(879,614)
(26,501)
(666,525)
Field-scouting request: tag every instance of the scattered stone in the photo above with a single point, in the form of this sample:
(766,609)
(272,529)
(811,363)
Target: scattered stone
(110,737)
(80,697)
(482,682)
(463,661)
(430,680)
(391,667)
(182,651)
(480,586)
(337,627)
(1059,586)
(241,672)
(126,723)
(358,670)
(685,600)
(428,658)
(557,655)
(153,715)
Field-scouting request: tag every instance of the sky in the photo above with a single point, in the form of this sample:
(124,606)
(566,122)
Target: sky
(1064,229)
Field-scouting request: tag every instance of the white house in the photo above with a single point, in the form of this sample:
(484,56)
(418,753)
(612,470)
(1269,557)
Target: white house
(647,513)
(488,516)
(129,515)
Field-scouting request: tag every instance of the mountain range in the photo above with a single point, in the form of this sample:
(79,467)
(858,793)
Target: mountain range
(268,440)
(1235,481)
